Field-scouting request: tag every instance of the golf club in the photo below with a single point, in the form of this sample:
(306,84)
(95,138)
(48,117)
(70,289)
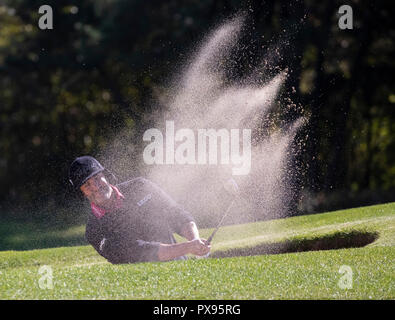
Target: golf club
(220,223)
(232,188)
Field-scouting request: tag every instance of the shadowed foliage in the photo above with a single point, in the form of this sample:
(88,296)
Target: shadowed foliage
(96,75)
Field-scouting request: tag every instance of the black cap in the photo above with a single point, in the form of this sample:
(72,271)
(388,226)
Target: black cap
(82,169)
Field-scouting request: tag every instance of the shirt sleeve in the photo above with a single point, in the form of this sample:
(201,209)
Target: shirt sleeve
(177,216)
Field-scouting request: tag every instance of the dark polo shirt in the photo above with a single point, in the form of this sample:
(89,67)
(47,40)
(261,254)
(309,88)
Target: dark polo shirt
(133,232)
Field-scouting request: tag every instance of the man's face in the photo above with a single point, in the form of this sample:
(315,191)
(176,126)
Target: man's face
(97,190)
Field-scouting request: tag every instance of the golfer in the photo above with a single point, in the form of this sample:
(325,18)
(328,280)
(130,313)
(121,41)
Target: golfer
(133,221)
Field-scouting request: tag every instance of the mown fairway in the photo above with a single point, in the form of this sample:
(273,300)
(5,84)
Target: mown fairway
(79,273)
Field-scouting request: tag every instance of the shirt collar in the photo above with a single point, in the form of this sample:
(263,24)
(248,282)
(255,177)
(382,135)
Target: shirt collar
(99,212)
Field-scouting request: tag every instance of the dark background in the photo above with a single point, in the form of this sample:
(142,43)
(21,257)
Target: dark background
(68,91)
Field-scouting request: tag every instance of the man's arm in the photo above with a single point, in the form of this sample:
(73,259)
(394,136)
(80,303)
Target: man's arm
(190,231)
(182,223)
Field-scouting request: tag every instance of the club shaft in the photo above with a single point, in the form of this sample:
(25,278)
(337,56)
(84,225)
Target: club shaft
(220,223)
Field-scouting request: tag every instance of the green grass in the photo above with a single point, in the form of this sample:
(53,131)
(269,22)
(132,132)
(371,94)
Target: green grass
(79,273)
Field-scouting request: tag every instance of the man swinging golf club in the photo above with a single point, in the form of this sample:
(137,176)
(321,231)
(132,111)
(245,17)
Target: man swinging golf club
(133,221)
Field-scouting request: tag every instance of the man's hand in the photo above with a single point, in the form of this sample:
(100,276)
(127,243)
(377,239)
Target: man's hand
(199,247)
(195,245)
